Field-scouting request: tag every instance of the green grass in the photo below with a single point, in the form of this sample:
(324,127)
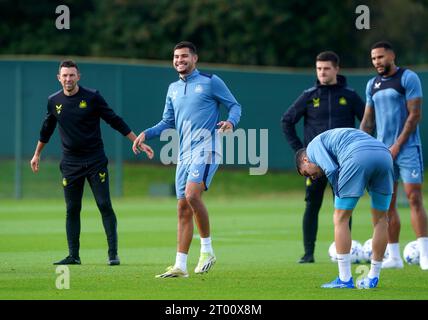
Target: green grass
(138,177)
(257,241)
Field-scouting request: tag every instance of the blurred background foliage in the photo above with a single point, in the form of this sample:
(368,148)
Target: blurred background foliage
(246,32)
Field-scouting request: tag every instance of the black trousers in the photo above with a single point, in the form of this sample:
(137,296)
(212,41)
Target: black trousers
(313,198)
(74,176)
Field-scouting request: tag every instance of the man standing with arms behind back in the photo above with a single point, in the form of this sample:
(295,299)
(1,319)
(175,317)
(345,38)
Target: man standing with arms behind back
(393,108)
(329,104)
(77,111)
(193,106)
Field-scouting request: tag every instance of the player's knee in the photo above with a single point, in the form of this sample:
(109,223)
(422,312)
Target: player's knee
(185,214)
(313,205)
(183,206)
(73,209)
(415,198)
(193,198)
(341,218)
(105,207)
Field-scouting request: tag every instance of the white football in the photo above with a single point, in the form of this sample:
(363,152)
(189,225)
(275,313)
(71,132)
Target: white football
(368,251)
(356,252)
(332,252)
(411,253)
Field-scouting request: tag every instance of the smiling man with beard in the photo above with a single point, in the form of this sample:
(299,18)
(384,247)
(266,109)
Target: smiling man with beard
(78,111)
(193,106)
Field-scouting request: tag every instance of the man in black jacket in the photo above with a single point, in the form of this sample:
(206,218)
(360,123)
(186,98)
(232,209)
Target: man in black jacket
(77,111)
(329,104)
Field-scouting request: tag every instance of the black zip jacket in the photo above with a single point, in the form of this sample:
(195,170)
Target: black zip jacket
(322,107)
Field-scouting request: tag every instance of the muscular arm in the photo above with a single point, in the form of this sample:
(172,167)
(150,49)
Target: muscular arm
(412,121)
(368,123)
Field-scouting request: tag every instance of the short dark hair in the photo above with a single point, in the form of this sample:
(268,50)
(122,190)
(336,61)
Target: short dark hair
(300,154)
(329,56)
(186,44)
(68,64)
(382,44)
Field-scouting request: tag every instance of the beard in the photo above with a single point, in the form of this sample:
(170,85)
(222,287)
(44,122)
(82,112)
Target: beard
(386,70)
(187,70)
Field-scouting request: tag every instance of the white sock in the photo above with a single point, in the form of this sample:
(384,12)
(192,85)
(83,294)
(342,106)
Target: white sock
(394,250)
(206,246)
(423,246)
(344,263)
(375,268)
(181,261)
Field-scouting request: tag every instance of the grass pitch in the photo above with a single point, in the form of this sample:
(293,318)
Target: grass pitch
(257,241)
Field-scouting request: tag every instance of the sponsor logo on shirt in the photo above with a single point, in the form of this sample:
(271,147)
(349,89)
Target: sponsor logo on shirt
(83,104)
(342,101)
(199,89)
(58,108)
(377,85)
(316,102)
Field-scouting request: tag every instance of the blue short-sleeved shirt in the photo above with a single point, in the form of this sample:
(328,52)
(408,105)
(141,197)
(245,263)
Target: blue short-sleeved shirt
(389,96)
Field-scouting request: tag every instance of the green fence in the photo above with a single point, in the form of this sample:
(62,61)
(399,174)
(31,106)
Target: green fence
(136,91)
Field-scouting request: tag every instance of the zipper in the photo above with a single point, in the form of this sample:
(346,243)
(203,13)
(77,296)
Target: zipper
(185,85)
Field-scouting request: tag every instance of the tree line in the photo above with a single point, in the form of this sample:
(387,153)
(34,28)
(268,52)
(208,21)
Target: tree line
(245,32)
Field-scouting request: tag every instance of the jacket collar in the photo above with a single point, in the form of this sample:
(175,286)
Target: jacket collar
(341,82)
(192,75)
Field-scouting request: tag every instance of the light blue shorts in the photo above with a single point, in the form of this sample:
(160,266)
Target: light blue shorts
(370,169)
(409,165)
(194,171)
(379,201)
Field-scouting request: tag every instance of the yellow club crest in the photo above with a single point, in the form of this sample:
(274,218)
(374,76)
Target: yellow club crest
(64,182)
(102,176)
(83,104)
(342,101)
(316,102)
(58,108)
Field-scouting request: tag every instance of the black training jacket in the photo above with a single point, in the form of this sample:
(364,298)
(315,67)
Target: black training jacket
(78,117)
(322,107)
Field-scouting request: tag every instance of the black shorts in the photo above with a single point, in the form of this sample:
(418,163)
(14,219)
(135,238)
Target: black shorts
(76,172)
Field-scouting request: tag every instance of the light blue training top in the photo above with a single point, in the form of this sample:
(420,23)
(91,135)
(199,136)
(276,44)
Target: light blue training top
(389,96)
(192,107)
(330,149)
